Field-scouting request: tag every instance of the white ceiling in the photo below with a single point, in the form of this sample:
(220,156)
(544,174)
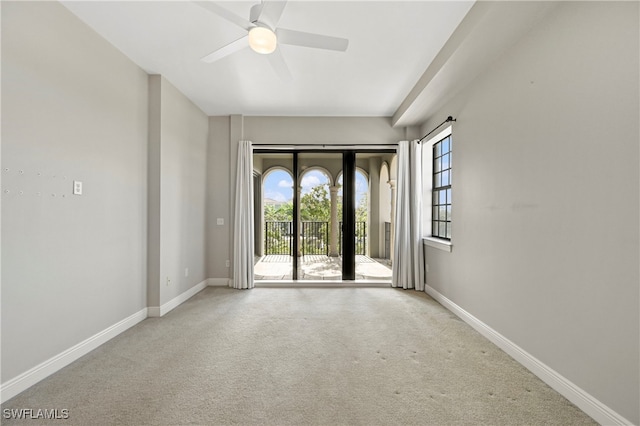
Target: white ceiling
(391,43)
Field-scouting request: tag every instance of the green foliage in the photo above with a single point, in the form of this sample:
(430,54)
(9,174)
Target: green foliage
(315,205)
(363,207)
(282,213)
(278,234)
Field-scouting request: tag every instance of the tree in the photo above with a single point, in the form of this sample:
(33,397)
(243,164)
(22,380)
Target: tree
(315,205)
(280,213)
(362,209)
(278,228)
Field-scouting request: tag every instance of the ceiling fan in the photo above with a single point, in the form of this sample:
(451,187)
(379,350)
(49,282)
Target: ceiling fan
(263,36)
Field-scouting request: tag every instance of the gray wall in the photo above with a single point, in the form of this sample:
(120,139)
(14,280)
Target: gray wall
(73,108)
(178,162)
(546,194)
(218,198)
(321,130)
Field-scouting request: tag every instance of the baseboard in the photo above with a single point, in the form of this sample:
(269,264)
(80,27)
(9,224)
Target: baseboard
(321,284)
(219,282)
(158,311)
(29,378)
(587,403)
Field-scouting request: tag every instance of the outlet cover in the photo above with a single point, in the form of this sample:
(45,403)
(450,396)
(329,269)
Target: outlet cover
(77,187)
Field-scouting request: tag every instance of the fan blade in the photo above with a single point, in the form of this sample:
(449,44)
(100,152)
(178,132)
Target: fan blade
(226,14)
(271,12)
(279,65)
(299,38)
(230,48)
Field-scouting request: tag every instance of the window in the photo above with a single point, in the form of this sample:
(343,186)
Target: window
(441,189)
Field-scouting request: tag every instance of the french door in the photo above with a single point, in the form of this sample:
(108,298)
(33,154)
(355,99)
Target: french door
(306,221)
(319,216)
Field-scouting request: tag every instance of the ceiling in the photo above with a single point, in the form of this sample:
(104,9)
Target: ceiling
(391,43)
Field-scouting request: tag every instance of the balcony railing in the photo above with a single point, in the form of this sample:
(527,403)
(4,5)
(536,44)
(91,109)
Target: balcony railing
(361,238)
(278,238)
(315,238)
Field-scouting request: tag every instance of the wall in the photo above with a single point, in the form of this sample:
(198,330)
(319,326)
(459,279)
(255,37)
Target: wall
(218,198)
(178,181)
(224,134)
(321,130)
(546,199)
(74,108)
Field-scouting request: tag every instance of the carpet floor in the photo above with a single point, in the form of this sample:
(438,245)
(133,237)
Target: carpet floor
(307,356)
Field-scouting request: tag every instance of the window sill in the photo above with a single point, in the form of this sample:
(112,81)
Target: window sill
(437,243)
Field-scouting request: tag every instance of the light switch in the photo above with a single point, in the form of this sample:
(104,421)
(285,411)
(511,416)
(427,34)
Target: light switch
(220,221)
(77,187)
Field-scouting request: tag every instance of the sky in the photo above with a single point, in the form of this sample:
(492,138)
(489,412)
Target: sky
(278,184)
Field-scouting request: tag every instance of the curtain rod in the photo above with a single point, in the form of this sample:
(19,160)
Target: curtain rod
(449,118)
(324,146)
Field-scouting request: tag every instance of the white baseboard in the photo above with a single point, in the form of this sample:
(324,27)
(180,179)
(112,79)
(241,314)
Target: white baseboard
(321,284)
(219,282)
(158,311)
(29,378)
(587,403)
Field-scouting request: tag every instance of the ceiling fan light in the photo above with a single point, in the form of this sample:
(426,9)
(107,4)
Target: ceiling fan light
(262,40)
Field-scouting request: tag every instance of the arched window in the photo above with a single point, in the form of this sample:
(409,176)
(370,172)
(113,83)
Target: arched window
(278,195)
(277,201)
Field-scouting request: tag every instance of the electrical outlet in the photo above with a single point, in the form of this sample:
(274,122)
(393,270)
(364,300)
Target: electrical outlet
(220,221)
(77,187)
(227,263)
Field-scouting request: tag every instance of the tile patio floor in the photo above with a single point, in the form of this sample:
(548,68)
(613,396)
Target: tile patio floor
(319,267)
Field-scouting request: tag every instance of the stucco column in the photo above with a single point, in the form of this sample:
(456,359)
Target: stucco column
(392,185)
(334,231)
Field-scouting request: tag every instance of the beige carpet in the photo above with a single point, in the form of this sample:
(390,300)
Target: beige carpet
(300,356)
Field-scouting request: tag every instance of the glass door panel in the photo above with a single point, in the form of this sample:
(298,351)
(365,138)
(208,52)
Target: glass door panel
(373,216)
(319,213)
(274,201)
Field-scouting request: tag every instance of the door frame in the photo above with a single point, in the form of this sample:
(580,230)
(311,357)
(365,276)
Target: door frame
(348,201)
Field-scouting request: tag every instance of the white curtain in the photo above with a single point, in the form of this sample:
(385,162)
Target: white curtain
(408,257)
(243,248)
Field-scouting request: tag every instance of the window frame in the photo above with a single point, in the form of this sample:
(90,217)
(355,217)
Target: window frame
(428,238)
(441,205)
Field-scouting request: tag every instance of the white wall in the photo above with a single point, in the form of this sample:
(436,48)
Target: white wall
(546,199)
(178,154)
(73,108)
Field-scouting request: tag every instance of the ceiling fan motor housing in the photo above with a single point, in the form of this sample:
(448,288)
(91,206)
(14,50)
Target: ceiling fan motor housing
(254,14)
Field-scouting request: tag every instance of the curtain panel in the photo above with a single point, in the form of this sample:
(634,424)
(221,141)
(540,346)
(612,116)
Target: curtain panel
(408,259)
(243,246)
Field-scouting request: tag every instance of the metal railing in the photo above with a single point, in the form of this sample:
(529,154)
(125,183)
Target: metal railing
(315,238)
(361,238)
(278,238)
(387,240)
